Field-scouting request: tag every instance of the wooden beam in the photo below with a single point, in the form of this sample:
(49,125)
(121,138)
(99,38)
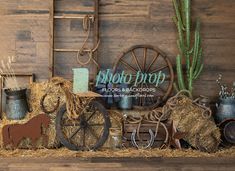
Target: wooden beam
(96,30)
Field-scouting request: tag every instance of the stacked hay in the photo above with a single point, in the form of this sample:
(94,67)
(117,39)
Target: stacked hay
(54,90)
(203,133)
(37,91)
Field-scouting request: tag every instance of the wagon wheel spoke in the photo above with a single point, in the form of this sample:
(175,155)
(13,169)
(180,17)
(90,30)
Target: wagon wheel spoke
(145,58)
(140,98)
(159,69)
(84,137)
(136,60)
(151,64)
(128,65)
(161,89)
(71,136)
(145,94)
(93,133)
(71,124)
(93,113)
(149,97)
(140,101)
(95,124)
(168,78)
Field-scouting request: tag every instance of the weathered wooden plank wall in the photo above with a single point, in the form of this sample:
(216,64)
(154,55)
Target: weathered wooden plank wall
(25,33)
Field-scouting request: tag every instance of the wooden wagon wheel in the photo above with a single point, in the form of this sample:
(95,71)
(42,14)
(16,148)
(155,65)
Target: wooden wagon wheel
(148,60)
(89,132)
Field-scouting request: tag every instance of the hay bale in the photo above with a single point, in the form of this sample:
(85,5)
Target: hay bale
(54,90)
(202,132)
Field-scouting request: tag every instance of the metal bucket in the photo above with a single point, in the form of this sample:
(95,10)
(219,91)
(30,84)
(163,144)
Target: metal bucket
(225,110)
(16,104)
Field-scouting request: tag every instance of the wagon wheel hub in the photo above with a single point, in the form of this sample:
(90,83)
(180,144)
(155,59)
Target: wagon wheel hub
(84,124)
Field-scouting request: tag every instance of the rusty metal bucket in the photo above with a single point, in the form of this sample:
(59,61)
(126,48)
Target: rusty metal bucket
(16,104)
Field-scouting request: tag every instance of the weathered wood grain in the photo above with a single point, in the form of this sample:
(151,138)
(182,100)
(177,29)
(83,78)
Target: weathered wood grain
(124,164)
(25,33)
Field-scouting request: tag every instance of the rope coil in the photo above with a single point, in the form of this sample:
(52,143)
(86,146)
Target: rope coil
(87,21)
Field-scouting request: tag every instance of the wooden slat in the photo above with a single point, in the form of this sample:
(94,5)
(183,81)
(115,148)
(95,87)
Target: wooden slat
(69,50)
(71,16)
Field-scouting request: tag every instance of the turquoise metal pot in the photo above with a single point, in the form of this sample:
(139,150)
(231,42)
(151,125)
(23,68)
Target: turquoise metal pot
(225,110)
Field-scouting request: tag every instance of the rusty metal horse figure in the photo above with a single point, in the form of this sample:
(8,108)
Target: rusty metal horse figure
(33,129)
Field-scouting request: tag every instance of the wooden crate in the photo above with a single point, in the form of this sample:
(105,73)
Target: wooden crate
(144,133)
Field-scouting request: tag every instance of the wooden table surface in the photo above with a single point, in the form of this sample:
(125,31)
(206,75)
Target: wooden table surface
(117,164)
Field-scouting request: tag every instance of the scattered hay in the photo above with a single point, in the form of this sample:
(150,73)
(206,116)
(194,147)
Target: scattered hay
(132,153)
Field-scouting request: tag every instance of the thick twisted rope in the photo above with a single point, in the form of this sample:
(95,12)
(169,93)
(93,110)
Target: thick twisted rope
(173,103)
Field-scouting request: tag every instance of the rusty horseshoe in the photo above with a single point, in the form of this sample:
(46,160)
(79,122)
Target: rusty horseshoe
(43,106)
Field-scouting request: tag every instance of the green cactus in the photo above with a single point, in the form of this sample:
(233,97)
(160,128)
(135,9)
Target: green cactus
(190,51)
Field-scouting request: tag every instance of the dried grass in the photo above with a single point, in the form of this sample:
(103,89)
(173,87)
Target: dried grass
(132,153)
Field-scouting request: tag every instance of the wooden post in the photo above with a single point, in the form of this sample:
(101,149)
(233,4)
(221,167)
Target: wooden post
(96,29)
(51,38)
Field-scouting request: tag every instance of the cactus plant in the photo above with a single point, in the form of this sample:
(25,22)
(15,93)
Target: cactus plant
(189,51)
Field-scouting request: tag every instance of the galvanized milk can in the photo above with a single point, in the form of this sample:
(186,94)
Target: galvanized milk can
(225,109)
(16,104)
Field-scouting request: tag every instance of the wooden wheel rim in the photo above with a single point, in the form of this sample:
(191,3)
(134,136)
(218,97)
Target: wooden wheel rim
(66,141)
(160,54)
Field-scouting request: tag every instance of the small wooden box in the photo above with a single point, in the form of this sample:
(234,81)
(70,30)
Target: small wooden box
(144,133)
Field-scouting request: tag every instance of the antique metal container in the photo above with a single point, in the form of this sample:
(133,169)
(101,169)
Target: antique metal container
(225,110)
(126,102)
(115,138)
(16,104)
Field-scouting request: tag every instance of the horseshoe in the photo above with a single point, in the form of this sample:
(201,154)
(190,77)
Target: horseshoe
(43,107)
(150,144)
